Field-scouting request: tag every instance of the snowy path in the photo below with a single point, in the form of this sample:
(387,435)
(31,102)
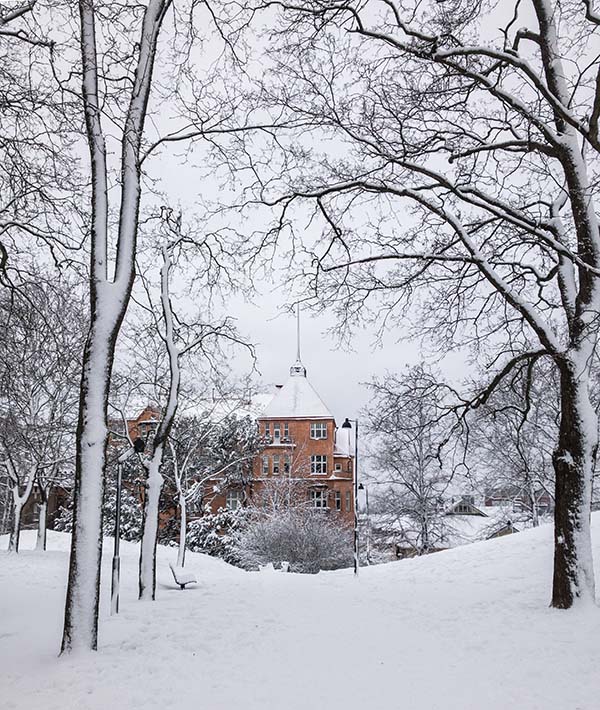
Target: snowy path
(467,629)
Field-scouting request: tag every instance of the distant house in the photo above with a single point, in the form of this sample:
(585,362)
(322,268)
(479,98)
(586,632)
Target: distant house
(462,523)
(520,498)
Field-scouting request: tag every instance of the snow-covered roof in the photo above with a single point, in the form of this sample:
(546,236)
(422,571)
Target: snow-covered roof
(227,406)
(296,399)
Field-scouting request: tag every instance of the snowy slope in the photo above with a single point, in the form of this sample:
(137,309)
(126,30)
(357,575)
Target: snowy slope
(465,629)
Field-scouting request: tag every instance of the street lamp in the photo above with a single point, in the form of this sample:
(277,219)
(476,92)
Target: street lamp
(348,425)
(137,448)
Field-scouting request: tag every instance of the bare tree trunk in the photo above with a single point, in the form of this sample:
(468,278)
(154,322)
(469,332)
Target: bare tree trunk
(42,521)
(574,461)
(147,565)
(83,591)
(15,532)
(535,518)
(109,302)
(182,530)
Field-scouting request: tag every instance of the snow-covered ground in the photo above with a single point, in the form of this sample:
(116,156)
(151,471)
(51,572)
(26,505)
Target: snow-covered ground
(466,629)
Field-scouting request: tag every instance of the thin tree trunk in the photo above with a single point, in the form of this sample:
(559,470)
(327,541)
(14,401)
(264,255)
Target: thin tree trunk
(574,461)
(15,532)
(42,523)
(535,518)
(182,531)
(147,565)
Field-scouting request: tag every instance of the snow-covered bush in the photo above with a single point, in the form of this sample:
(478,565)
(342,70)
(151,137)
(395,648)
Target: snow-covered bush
(218,534)
(308,539)
(131,515)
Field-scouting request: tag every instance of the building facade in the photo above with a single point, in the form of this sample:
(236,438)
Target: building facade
(304,452)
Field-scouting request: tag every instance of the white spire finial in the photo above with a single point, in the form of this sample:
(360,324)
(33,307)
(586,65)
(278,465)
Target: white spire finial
(298,369)
(298,331)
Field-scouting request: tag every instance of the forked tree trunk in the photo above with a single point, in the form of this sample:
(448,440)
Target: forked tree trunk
(574,461)
(15,530)
(147,564)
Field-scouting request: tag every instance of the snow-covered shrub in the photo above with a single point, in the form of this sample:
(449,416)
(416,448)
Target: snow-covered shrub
(217,534)
(131,515)
(308,539)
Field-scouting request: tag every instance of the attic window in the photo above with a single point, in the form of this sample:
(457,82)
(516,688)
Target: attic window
(318,430)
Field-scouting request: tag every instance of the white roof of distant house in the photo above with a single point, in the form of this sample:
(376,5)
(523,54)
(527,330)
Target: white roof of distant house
(296,399)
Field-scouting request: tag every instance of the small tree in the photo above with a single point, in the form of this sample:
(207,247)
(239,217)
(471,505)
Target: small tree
(41,334)
(407,428)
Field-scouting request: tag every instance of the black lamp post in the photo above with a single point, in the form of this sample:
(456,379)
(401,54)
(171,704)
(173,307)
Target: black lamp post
(137,448)
(348,425)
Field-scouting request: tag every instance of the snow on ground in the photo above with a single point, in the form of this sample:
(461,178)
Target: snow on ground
(466,629)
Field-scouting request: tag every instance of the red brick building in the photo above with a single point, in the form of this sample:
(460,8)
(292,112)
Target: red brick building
(303,446)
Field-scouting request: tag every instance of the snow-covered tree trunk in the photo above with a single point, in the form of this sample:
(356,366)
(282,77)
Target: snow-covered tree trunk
(108,300)
(574,461)
(40,543)
(81,610)
(15,530)
(147,570)
(182,530)
(18,501)
(154,481)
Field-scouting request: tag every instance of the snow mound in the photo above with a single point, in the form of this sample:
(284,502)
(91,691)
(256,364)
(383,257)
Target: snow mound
(465,629)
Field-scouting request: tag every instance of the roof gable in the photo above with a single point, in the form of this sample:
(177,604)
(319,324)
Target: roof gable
(296,400)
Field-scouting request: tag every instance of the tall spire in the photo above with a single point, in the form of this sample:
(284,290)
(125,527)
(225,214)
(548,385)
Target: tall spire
(298,331)
(298,369)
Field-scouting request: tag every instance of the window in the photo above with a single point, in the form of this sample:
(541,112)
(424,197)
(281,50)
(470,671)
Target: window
(318,430)
(265,465)
(234,499)
(275,464)
(277,431)
(348,502)
(286,430)
(267,428)
(338,500)
(318,464)
(287,463)
(338,467)
(318,499)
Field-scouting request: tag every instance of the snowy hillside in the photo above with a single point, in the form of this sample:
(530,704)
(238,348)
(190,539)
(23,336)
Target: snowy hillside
(466,629)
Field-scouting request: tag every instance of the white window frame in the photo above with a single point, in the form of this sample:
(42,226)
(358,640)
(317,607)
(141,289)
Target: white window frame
(234,499)
(348,502)
(287,463)
(265,466)
(318,430)
(318,464)
(276,465)
(337,468)
(338,500)
(286,430)
(277,431)
(318,498)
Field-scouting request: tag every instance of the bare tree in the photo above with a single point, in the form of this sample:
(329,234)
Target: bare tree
(443,158)
(512,439)
(407,425)
(219,449)
(42,328)
(40,185)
